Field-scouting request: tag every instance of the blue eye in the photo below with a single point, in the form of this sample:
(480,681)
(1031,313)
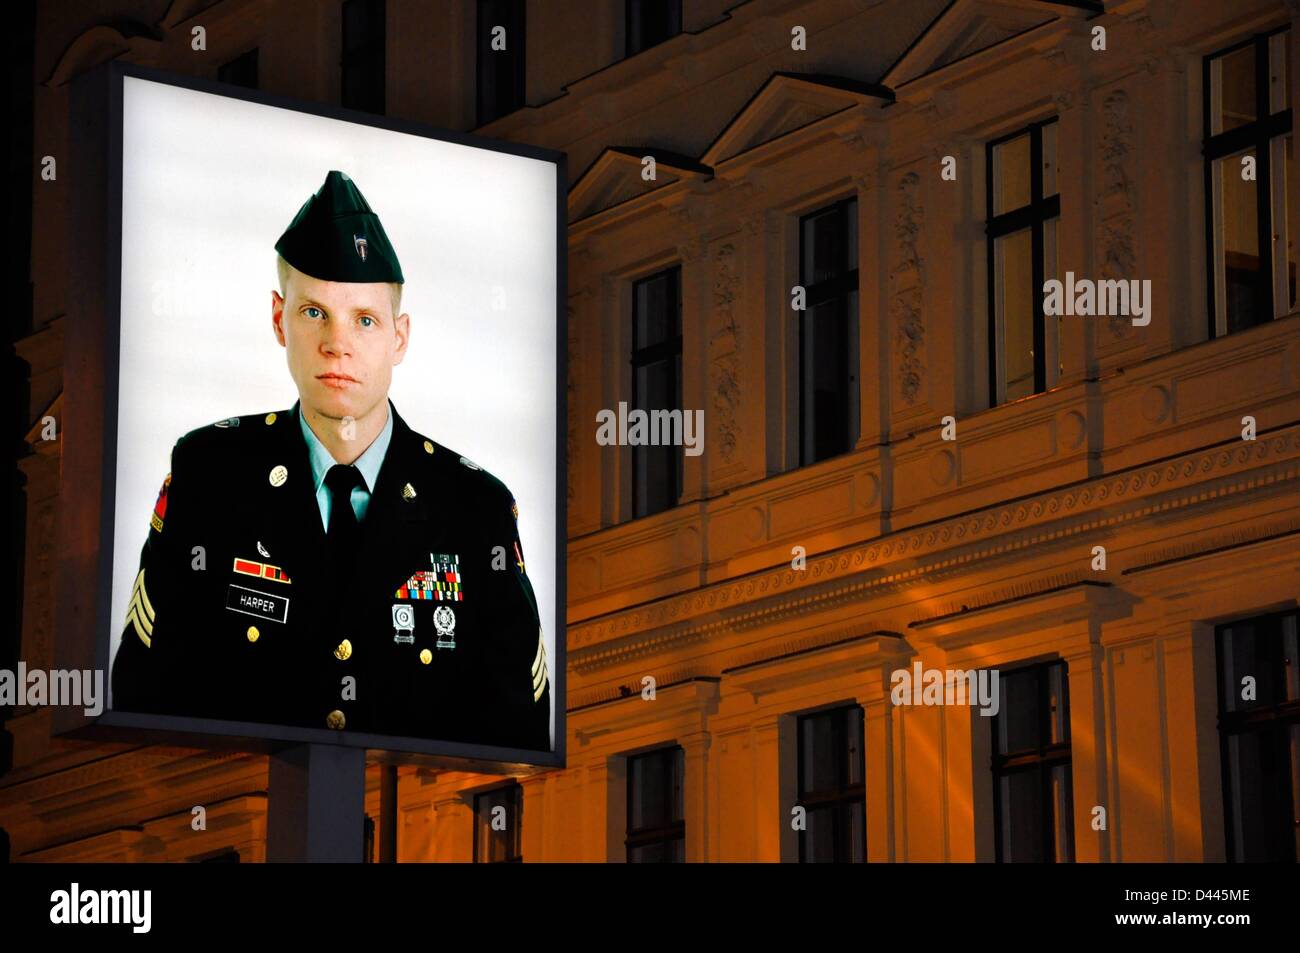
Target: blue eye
(369,321)
(312,312)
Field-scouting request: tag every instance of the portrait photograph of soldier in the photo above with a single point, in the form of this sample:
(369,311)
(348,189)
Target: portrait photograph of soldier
(325,563)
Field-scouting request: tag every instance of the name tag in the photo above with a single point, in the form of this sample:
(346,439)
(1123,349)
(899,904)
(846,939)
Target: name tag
(260,604)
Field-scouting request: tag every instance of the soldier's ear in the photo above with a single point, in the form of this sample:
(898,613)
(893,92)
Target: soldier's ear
(403,328)
(277,316)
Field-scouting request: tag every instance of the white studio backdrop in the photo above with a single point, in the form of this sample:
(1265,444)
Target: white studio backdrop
(209,184)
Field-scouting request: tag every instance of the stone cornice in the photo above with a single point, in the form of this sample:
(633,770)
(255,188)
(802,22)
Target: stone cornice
(926,551)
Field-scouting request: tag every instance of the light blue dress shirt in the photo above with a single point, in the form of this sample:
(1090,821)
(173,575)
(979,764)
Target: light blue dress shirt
(368,463)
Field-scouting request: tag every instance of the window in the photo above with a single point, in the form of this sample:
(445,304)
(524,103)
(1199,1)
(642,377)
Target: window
(1259,733)
(828,332)
(498,817)
(241,71)
(656,825)
(363,55)
(1033,806)
(831,788)
(1248,121)
(368,840)
(656,385)
(1024,204)
(500,71)
(651,21)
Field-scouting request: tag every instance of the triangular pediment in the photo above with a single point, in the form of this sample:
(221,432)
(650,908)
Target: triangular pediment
(617,176)
(786,102)
(967,28)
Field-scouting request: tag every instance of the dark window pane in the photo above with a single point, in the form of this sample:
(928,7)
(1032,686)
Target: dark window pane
(650,22)
(656,386)
(649,787)
(820,759)
(656,807)
(1031,766)
(501,72)
(831,791)
(819,838)
(829,240)
(1260,737)
(656,304)
(363,55)
(1021,813)
(828,332)
(1018,717)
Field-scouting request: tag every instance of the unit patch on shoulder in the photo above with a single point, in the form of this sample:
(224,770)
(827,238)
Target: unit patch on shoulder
(160,506)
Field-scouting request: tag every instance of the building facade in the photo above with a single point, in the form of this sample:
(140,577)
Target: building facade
(832,227)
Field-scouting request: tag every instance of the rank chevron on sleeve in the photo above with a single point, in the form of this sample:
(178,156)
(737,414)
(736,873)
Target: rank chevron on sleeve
(140,611)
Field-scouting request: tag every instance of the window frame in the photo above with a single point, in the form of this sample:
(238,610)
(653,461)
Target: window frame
(1228,724)
(841,287)
(674,830)
(843,795)
(1044,757)
(1259,135)
(670,352)
(1033,216)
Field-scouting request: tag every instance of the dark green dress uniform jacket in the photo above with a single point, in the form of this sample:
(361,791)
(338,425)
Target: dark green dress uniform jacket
(435,620)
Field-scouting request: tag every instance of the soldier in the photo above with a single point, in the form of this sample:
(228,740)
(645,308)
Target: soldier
(353,575)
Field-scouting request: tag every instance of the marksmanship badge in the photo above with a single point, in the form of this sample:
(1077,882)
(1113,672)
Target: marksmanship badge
(444,620)
(404,621)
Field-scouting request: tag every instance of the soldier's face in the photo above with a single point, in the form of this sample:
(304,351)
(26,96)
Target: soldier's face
(342,342)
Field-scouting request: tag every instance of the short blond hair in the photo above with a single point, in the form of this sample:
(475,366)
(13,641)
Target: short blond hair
(282,269)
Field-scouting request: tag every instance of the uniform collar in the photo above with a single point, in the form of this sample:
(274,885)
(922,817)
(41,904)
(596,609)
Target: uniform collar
(368,463)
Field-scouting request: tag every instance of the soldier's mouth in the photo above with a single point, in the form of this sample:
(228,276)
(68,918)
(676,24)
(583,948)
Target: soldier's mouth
(339,381)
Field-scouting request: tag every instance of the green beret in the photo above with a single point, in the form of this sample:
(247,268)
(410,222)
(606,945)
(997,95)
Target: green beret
(336,237)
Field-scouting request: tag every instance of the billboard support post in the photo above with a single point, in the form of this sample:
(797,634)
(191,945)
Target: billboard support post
(316,804)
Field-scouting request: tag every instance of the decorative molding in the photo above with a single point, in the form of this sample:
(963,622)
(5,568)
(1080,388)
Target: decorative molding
(1116,204)
(724,354)
(1156,558)
(999,531)
(907,279)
